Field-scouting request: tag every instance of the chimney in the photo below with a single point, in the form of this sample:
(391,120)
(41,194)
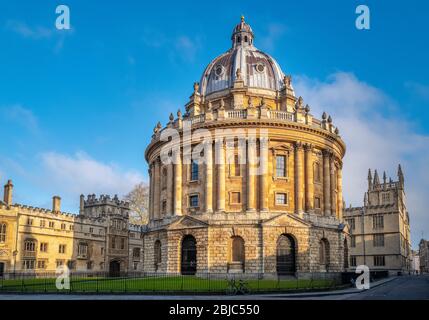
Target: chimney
(82,203)
(8,188)
(56,204)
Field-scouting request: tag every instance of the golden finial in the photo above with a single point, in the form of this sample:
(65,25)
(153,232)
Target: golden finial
(242,18)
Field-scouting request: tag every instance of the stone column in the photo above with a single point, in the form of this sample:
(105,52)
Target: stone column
(340,192)
(332,185)
(208,155)
(170,183)
(299,179)
(263,165)
(326,183)
(151,186)
(251,173)
(178,183)
(220,165)
(157,191)
(309,179)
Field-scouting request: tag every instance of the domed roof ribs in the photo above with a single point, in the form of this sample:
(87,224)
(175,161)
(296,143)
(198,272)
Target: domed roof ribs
(257,69)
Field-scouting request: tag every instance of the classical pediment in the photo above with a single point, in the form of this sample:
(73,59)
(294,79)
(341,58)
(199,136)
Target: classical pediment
(286,220)
(186,222)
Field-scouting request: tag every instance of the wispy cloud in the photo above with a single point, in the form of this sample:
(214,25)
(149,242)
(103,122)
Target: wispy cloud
(79,173)
(373,140)
(26,31)
(421,90)
(274,32)
(180,47)
(40,33)
(20,115)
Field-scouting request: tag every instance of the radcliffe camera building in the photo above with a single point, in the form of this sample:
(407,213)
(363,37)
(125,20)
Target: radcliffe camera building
(220,216)
(380,230)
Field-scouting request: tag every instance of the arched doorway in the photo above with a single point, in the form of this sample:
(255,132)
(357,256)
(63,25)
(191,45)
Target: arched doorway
(189,255)
(114,268)
(286,255)
(1,269)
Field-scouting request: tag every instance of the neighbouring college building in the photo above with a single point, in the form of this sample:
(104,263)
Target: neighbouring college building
(98,239)
(380,230)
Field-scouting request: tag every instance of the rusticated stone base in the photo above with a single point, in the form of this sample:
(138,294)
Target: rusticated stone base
(214,245)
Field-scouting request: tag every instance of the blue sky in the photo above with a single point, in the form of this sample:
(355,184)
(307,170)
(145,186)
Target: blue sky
(77,107)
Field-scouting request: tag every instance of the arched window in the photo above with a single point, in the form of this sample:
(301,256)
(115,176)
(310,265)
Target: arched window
(237,250)
(2,232)
(157,253)
(245,38)
(324,252)
(194,171)
(164,178)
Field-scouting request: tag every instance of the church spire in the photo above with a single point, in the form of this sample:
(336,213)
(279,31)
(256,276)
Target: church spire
(376,178)
(400,175)
(369,180)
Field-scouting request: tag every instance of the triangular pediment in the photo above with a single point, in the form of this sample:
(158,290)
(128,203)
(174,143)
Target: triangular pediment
(187,222)
(286,220)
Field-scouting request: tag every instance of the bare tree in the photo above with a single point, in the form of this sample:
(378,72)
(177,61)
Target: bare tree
(139,203)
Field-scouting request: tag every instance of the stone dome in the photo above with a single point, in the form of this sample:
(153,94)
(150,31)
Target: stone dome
(255,68)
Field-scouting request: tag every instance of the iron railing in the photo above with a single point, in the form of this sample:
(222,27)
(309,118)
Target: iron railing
(168,283)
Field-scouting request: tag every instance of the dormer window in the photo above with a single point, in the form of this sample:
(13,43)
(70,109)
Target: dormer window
(219,70)
(260,67)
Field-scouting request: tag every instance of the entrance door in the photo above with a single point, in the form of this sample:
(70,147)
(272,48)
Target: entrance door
(286,255)
(189,255)
(114,268)
(1,269)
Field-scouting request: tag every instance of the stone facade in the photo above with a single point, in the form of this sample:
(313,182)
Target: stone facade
(266,196)
(381,228)
(424,256)
(40,240)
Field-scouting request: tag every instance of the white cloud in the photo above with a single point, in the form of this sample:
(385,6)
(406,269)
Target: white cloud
(21,116)
(21,28)
(374,140)
(79,173)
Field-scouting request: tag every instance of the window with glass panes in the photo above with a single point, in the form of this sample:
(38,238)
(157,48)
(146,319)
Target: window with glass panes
(281,198)
(281,166)
(194,171)
(193,201)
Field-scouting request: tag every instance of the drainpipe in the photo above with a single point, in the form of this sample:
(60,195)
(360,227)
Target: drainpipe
(363,233)
(15,252)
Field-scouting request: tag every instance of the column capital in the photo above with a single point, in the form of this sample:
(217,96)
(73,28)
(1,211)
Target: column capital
(327,152)
(308,147)
(298,145)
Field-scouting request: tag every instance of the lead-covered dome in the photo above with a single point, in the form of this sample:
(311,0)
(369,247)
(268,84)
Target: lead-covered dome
(256,68)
